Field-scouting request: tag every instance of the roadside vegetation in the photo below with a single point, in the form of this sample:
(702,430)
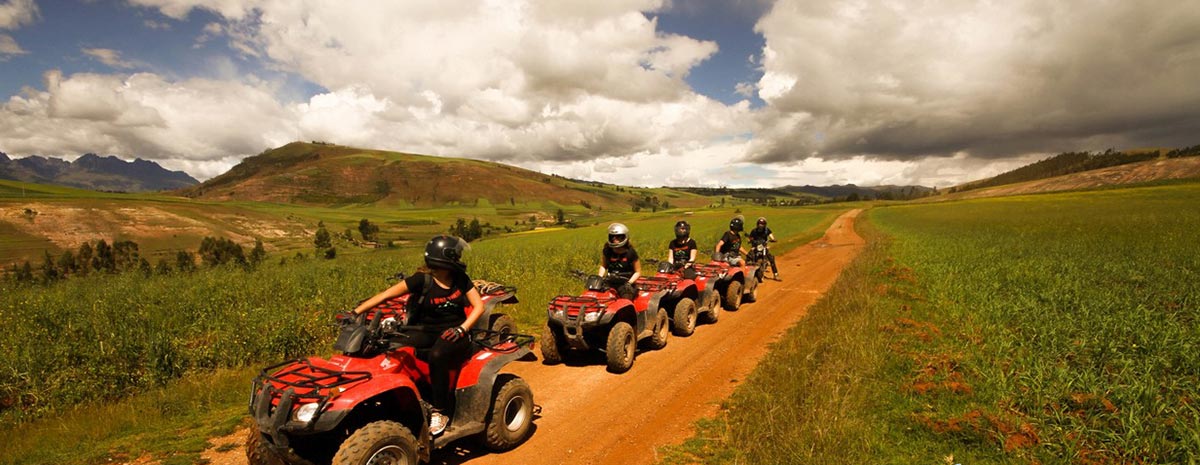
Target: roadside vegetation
(1058,328)
(100,345)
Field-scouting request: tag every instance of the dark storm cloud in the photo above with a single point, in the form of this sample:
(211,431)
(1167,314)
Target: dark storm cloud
(992,80)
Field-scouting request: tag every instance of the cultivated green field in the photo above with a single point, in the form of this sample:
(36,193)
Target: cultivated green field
(106,338)
(1057,328)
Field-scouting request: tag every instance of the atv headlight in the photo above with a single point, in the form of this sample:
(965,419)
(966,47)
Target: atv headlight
(306,412)
(560,314)
(590,317)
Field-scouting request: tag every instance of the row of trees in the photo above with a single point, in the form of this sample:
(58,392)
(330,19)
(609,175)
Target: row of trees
(124,256)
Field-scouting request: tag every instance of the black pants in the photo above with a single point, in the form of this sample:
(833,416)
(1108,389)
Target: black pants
(443,357)
(774,269)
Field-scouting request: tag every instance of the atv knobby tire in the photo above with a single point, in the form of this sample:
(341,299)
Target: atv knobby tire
(257,451)
(733,296)
(502,326)
(662,330)
(552,349)
(510,420)
(713,314)
(685,317)
(620,347)
(751,296)
(380,441)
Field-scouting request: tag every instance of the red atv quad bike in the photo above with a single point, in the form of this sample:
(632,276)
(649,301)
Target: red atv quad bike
(735,283)
(365,406)
(686,294)
(600,319)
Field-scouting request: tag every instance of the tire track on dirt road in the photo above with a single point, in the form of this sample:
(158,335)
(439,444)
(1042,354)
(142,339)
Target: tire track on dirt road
(590,416)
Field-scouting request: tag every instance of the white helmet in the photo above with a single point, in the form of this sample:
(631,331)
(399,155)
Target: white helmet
(618,235)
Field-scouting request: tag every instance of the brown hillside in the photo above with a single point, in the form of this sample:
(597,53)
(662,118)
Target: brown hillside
(1153,170)
(320,174)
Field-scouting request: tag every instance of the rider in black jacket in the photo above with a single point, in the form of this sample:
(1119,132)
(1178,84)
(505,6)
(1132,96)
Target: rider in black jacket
(762,234)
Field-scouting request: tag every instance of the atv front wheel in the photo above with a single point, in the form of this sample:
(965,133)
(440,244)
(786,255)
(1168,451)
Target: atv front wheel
(620,347)
(685,317)
(733,296)
(552,346)
(257,451)
(511,418)
(662,329)
(379,442)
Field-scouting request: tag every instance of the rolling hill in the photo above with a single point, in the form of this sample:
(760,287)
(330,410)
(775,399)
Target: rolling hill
(324,174)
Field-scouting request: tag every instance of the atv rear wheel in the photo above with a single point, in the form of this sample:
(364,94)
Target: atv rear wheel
(685,317)
(551,345)
(733,296)
(380,442)
(511,418)
(501,326)
(662,330)
(257,451)
(620,347)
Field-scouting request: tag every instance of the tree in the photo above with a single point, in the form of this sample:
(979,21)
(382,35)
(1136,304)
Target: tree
(66,263)
(219,251)
(83,260)
(163,267)
(144,267)
(258,253)
(49,270)
(25,273)
(185,262)
(103,259)
(322,241)
(369,231)
(125,255)
(559,217)
(475,232)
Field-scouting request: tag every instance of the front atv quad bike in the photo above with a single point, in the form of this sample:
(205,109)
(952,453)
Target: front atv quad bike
(599,319)
(366,404)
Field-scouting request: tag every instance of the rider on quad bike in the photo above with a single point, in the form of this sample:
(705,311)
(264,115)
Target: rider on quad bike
(443,291)
(619,264)
(370,402)
(683,250)
(759,236)
(729,248)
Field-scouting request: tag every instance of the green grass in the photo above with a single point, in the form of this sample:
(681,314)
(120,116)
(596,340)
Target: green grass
(101,339)
(1058,328)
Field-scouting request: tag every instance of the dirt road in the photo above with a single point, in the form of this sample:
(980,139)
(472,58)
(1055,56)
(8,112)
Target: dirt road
(590,416)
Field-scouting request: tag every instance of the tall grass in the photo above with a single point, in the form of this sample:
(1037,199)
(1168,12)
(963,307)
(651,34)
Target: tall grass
(1056,328)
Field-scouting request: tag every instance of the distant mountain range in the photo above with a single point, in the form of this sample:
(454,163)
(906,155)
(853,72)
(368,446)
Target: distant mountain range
(95,172)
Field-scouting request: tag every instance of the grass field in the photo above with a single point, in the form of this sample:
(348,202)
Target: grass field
(102,341)
(1059,328)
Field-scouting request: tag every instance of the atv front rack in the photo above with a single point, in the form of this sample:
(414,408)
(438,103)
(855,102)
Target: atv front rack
(578,304)
(273,394)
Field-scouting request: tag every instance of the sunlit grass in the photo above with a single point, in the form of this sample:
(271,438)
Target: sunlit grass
(1056,328)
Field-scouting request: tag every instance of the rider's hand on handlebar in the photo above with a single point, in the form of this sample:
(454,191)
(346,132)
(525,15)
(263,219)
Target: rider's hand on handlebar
(453,334)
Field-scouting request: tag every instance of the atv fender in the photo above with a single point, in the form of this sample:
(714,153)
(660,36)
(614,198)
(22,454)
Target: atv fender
(473,397)
(706,299)
(645,320)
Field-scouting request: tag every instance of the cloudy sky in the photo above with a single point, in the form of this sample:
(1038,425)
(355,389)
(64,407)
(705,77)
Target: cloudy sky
(645,92)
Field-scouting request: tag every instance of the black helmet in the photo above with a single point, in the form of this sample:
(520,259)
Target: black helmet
(762,221)
(682,229)
(736,224)
(618,235)
(445,252)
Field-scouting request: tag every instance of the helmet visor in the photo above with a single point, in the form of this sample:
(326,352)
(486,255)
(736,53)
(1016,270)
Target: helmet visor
(616,238)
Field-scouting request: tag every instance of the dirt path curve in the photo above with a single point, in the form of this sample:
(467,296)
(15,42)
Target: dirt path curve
(590,416)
